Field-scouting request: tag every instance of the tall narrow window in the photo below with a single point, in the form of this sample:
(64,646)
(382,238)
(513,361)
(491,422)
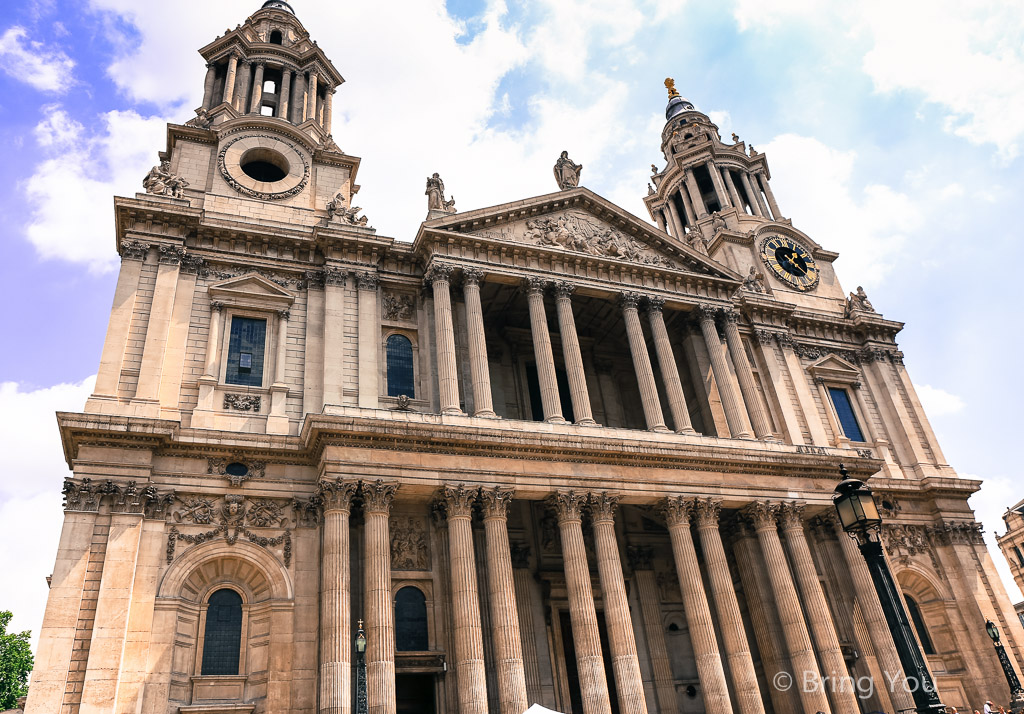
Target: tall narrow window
(1020,557)
(223,638)
(411,620)
(275,37)
(400,369)
(919,626)
(245,351)
(844,410)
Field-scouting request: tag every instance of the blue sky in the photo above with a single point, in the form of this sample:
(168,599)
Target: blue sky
(893,132)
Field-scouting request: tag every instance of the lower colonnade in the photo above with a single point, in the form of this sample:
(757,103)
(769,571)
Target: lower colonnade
(781,592)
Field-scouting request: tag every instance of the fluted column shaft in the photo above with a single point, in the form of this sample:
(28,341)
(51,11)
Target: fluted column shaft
(823,630)
(571,354)
(776,213)
(582,613)
(284,93)
(720,369)
(642,363)
(667,364)
(524,604)
(483,405)
(257,89)
(691,217)
(716,181)
(677,224)
(380,613)
(543,355)
(745,376)
(640,558)
(211,78)
(439,276)
(695,197)
(469,644)
(229,79)
(621,641)
(335,606)
(730,622)
(508,645)
(737,202)
(752,198)
(698,614)
(798,642)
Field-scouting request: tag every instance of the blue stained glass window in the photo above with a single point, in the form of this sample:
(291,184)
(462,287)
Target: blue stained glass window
(245,351)
(844,410)
(400,372)
(411,620)
(223,639)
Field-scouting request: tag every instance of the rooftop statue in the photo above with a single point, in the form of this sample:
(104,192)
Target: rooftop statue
(567,174)
(161,182)
(435,196)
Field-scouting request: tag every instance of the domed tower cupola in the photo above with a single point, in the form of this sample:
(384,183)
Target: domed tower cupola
(676,104)
(269,67)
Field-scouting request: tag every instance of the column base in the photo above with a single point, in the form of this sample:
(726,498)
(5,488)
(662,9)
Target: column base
(587,422)
(556,420)
(487,414)
(691,430)
(660,429)
(452,411)
(770,437)
(744,435)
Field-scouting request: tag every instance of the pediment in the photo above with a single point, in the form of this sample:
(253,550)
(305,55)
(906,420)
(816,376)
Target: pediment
(251,289)
(833,368)
(580,223)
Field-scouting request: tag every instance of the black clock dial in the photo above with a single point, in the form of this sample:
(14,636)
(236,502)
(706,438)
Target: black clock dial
(790,262)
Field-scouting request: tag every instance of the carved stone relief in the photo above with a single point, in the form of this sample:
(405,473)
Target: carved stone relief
(398,307)
(409,545)
(232,517)
(243,402)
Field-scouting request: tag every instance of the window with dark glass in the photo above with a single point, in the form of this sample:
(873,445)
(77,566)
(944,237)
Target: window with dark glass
(844,410)
(400,371)
(411,620)
(1020,556)
(223,638)
(919,626)
(246,348)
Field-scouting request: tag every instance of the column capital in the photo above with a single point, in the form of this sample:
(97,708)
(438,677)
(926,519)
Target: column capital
(438,272)
(640,557)
(211,64)
(677,510)
(603,505)
(706,512)
(630,300)
(568,505)
(655,304)
(378,495)
(134,250)
(336,494)
(459,500)
(731,316)
(314,279)
(564,289)
(496,501)
(260,63)
(367,281)
(534,286)
(284,314)
(335,276)
(520,555)
(707,313)
(472,276)
(763,514)
(825,525)
(216,306)
(171,254)
(791,516)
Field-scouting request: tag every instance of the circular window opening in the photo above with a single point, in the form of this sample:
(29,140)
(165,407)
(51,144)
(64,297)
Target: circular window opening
(691,691)
(887,505)
(264,165)
(236,469)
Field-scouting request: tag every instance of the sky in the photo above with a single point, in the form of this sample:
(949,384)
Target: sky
(894,135)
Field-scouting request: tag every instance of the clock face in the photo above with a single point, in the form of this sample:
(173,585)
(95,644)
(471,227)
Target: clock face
(790,262)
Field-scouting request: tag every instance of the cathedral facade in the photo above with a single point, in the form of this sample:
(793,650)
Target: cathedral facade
(546,452)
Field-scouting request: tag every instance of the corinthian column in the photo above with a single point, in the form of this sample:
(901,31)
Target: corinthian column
(801,654)
(745,376)
(571,354)
(752,199)
(737,427)
(776,213)
(625,665)
(695,197)
(640,560)
(508,646)
(211,77)
(716,181)
(311,96)
(695,601)
(380,613)
(741,664)
(669,370)
(478,367)
(257,88)
(823,630)
(335,607)
(582,613)
(469,644)
(229,79)
(642,363)
(542,352)
(439,275)
(284,93)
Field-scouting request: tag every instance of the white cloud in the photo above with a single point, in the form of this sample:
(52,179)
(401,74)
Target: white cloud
(938,402)
(31,62)
(996,495)
(70,193)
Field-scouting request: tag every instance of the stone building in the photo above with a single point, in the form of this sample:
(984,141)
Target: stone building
(547,451)
(1012,545)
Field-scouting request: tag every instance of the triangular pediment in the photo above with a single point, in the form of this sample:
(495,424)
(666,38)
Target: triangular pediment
(834,368)
(580,223)
(251,289)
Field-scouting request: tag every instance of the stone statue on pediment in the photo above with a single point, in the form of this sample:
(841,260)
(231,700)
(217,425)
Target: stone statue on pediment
(859,301)
(161,182)
(336,210)
(754,282)
(567,173)
(435,196)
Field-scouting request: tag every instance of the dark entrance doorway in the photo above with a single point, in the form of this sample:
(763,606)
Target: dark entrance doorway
(572,673)
(415,693)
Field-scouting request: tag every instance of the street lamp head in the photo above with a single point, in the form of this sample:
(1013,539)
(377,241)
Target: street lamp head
(855,506)
(992,630)
(361,639)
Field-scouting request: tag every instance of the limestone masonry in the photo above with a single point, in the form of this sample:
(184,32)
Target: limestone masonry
(547,452)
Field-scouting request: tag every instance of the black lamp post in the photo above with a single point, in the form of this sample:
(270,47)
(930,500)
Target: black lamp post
(362,707)
(1016,692)
(859,517)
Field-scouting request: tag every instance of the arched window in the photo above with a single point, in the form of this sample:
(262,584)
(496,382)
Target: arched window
(919,626)
(275,37)
(223,639)
(411,620)
(400,371)
(270,87)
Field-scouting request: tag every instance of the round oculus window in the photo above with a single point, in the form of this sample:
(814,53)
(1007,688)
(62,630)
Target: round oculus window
(264,166)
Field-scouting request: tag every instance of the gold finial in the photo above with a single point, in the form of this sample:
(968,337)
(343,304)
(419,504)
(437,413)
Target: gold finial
(670,85)
(360,624)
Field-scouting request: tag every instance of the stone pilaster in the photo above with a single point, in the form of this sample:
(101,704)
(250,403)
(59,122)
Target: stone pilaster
(642,362)
(335,605)
(159,327)
(625,664)
(508,650)
(741,665)
(583,614)
(550,402)
(737,427)
(698,614)
(745,376)
(335,280)
(641,562)
(669,371)
(133,255)
(380,613)
(368,335)
(572,355)
(439,276)
(483,405)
